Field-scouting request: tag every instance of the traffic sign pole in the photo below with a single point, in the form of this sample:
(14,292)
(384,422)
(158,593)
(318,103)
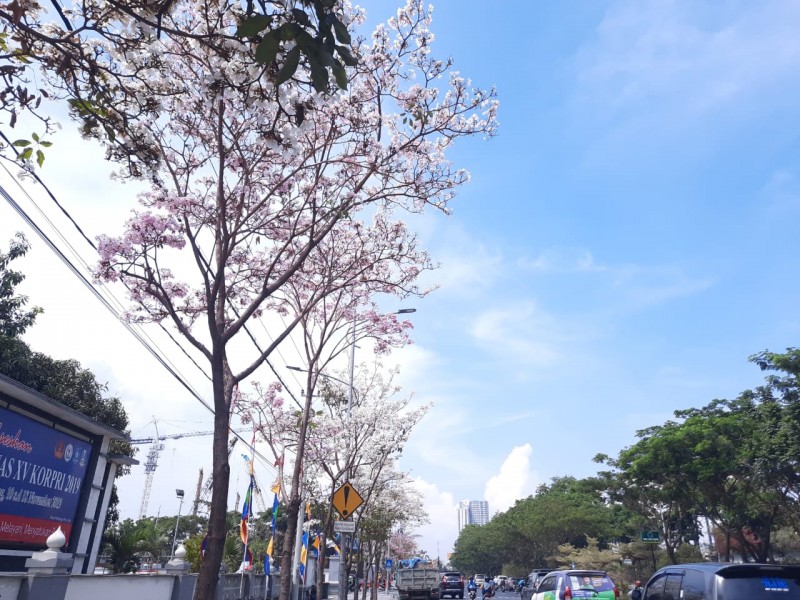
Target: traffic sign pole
(345,500)
(652,538)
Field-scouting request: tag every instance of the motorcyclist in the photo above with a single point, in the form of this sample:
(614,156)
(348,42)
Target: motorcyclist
(472,587)
(488,589)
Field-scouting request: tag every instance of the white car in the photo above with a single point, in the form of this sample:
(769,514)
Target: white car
(480,579)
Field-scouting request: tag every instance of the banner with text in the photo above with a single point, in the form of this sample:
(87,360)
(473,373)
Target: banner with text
(41,478)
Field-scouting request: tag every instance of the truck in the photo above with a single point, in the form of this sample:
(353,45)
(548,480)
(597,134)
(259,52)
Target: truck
(417,580)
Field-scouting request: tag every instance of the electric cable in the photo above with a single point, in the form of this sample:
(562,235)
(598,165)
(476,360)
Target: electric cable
(78,256)
(44,237)
(139,335)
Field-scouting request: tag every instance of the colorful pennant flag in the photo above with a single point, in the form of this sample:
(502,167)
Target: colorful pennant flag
(304,550)
(303,557)
(316,544)
(276,488)
(247,510)
(275,509)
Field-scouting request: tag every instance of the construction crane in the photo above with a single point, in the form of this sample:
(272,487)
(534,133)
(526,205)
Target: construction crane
(149,469)
(203,491)
(153,454)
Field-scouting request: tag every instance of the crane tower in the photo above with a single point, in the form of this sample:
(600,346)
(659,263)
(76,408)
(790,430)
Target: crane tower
(150,469)
(150,465)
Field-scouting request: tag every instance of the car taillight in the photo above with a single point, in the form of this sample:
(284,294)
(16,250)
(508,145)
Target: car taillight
(567,594)
(444,579)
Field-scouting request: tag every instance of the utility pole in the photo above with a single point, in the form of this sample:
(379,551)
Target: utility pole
(343,556)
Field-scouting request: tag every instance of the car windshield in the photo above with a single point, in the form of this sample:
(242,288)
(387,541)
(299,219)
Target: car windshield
(760,586)
(587,581)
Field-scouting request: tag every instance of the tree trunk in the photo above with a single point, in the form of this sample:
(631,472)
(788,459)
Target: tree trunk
(322,559)
(208,577)
(287,576)
(727,545)
(287,550)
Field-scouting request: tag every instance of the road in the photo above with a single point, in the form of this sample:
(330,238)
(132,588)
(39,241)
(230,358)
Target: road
(392,595)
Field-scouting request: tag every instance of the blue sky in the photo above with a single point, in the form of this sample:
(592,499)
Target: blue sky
(626,241)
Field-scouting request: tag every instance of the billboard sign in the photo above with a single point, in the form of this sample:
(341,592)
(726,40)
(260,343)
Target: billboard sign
(41,479)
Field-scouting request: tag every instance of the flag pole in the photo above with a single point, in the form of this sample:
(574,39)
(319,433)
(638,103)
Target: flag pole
(276,488)
(249,508)
(249,501)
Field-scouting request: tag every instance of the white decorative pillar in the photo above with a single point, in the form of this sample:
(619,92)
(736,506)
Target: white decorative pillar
(52,561)
(178,565)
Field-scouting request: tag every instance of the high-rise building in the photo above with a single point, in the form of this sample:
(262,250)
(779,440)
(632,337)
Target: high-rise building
(472,512)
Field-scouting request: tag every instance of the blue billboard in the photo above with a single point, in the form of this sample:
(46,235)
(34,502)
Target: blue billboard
(42,474)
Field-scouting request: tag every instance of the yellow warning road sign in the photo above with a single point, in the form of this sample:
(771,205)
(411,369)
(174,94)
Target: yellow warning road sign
(346,499)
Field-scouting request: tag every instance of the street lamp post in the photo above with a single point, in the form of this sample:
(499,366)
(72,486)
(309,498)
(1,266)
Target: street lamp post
(179,494)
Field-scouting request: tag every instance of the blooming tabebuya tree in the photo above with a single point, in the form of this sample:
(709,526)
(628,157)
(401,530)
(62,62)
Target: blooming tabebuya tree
(251,180)
(333,295)
(357,442)
(61,37)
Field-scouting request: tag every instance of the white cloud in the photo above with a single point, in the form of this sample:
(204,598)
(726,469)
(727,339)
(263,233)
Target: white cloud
(681,78)
(629,286)
(469,269)
(416,363)
(438,536)
(781,196)
(689,57)
(643,287)
(524,333)
(558,260)
(515,480)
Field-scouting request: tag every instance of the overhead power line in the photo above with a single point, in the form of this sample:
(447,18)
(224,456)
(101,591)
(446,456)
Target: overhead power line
(141,336)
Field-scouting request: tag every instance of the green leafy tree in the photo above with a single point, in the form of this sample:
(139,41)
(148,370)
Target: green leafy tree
(14,319)
(648,479)
(124,542)
(471,553)
(63,380)
(527,536)
(279,38)
(591,556)
(733,462)
(156,538)
(72,385)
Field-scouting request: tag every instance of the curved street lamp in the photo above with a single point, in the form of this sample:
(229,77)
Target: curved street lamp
(179,494)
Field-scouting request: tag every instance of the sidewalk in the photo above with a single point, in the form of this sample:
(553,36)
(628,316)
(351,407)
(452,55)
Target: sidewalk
(382,595)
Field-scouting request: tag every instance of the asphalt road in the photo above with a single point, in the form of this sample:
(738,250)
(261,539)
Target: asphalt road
(497,596)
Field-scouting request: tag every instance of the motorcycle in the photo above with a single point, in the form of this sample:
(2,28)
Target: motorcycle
(472,594)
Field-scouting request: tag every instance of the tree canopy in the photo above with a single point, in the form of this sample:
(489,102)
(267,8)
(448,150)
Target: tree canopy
(63,380)
(14,319)
(732,462)
(728,469)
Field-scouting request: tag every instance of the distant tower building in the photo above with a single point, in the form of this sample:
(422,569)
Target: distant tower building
(472,512)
